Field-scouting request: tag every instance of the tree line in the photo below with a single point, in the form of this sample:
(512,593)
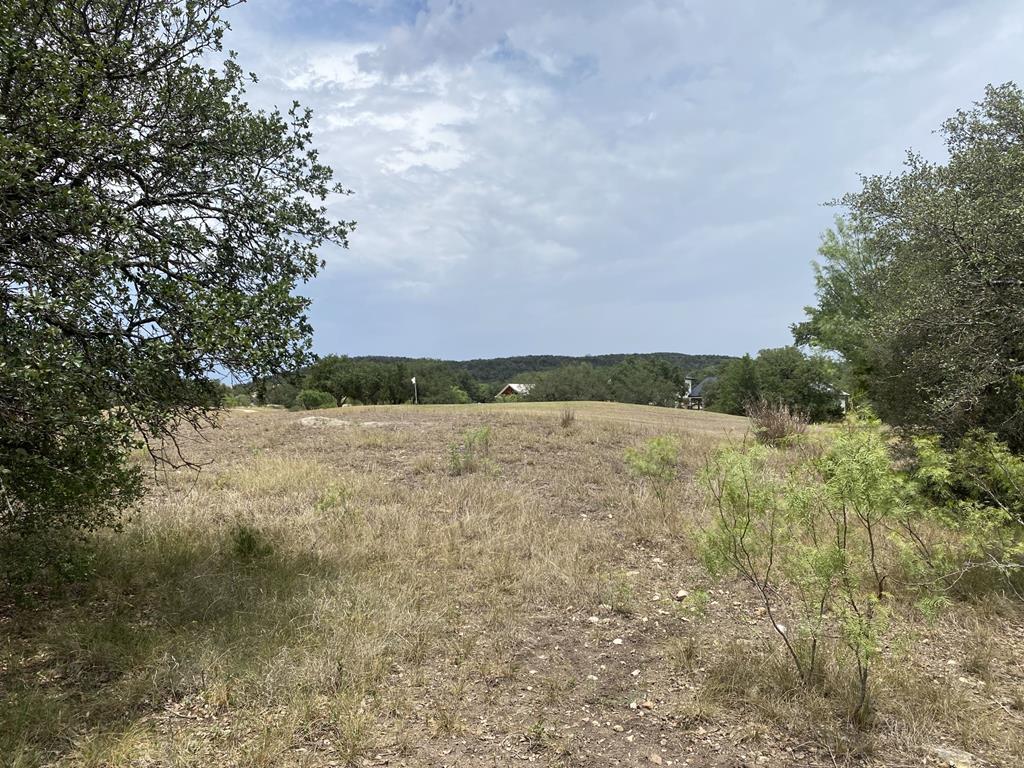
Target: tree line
(805,383)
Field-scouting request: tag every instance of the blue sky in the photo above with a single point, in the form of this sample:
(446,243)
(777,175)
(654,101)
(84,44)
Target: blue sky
(592,176)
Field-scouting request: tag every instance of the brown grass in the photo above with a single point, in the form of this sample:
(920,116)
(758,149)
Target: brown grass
(334,594)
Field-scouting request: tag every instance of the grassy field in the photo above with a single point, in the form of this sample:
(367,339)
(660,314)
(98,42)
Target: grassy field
(333,588)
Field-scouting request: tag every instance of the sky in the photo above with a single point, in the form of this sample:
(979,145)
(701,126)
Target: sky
(594,176)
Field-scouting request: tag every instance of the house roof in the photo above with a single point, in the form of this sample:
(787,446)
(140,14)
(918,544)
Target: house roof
(519,389)
(698,388)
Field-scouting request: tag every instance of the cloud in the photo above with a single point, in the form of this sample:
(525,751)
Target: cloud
(600,176)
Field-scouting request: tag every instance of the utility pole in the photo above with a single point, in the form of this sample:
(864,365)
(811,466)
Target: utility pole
(415,392)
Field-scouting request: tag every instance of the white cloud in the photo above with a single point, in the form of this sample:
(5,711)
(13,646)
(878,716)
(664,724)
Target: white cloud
(605,170)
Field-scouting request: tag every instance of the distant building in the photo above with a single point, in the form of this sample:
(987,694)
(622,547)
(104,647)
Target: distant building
(514,390)
(695,395)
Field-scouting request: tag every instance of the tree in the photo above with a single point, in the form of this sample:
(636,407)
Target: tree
(782,376)
(153,230)
(923,289)
(735,386)
(581,381)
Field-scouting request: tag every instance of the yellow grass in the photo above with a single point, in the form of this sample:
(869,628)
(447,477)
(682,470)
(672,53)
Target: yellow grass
(331,593)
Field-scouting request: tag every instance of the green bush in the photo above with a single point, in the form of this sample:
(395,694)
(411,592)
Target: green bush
(656,462)
(312,399)
(830,541)
(237,400)
(469,455)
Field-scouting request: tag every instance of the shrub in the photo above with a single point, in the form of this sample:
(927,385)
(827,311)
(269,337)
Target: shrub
(238,400)
(776,423)
(656,462)
(568,418)
(468,455)
(249,544)
(312,399)
(828,541)
(810,541)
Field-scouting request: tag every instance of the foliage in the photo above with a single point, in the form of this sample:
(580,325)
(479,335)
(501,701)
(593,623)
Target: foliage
(313,399)
(501,370)
(571,382)
(656,462)
(831,541)
(810,542)
(155,229)
(389,382)
(975,491)
(920,289)
(467,456)
(784,376)
(775,423)
(237,400)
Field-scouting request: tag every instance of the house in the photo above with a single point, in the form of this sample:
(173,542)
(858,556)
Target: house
(514,390)
(694,399)
(842,399)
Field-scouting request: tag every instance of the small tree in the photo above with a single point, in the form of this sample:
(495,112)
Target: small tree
(809,540)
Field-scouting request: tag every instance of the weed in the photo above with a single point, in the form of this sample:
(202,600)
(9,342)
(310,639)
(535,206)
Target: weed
(468,456)
(249,544)
(620,595)
(568,418)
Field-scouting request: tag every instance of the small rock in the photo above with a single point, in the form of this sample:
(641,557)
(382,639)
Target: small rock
(635,673)
(682,594)
(617,641)
(953,758)
(617,728)
(655,758)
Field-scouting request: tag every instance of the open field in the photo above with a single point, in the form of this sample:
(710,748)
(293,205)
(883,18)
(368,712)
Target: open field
(331,590)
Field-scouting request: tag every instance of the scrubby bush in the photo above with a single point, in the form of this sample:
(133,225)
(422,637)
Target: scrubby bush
(829,542)
(776,422)
(656,462)
(312,399)
(237,400)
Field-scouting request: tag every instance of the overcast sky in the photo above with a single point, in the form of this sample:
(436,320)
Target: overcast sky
(589,176)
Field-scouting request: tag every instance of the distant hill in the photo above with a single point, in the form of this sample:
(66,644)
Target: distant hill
(499,370)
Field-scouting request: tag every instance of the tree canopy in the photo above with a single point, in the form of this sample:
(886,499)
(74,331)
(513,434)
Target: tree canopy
(806,383)
(153,228)
(921,284)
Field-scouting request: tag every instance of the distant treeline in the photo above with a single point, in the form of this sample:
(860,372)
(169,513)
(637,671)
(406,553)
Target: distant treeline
(333,379)
(730,384)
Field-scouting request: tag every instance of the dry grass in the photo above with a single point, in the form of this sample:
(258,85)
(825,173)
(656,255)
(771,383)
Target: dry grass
(334,594)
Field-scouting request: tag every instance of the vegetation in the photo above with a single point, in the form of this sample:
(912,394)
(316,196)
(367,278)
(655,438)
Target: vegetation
(920,285)
(830,542)
(157,226)
(469,454)
(657,379)
(312,399)
(775,423)
(783,376)
(656,462)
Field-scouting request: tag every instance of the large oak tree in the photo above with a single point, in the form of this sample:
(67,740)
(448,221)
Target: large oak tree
(153,228)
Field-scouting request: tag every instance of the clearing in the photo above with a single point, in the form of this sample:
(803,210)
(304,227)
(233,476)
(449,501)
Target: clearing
(336,588)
